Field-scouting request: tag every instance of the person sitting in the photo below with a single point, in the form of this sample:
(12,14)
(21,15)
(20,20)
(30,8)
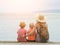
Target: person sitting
(21,32)
(31,38)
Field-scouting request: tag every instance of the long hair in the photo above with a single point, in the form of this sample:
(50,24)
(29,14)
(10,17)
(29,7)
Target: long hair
(44,35)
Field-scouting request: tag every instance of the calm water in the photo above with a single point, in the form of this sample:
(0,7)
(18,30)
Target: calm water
(9,25)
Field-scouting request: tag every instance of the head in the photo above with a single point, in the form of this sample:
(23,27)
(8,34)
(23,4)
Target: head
(22,24)
(31,25)
(41,18)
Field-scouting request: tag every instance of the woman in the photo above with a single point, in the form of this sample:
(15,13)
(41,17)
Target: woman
(41,29)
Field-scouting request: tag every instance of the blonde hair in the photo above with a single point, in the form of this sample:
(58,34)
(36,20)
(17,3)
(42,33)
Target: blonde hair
(22,24)
(31,25)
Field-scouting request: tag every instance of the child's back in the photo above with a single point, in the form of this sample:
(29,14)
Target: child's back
(21,32)
(31,38)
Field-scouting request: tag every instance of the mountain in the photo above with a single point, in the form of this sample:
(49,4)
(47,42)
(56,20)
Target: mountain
(50,11)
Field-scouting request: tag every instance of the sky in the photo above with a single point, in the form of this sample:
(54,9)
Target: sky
(27,6)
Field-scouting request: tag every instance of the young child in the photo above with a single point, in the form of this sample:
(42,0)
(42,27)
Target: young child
(31,38)
(21,32)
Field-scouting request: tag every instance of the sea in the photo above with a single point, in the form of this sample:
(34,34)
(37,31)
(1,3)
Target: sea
(9,25)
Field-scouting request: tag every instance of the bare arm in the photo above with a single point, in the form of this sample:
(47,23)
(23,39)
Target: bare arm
(31,32)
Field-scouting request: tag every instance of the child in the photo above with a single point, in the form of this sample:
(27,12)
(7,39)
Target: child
(21,32)
(31,38)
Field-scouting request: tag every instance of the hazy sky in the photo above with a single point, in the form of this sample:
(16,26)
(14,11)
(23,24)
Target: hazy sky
(17,6)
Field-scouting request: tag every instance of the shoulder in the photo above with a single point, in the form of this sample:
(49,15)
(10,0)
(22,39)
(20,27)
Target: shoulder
(19,29)
(28,30)
(46,25)
(25,30)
